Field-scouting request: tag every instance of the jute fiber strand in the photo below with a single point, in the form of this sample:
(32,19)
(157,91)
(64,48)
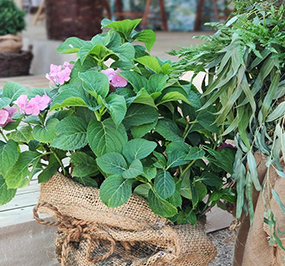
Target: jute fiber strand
(252,247)
(90,233)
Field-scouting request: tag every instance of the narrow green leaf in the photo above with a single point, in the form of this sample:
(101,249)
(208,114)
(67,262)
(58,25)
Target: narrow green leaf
(253,171)
(277,112)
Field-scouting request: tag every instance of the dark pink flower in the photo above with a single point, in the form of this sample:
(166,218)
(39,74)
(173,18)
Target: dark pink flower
(226,145)
(115,79)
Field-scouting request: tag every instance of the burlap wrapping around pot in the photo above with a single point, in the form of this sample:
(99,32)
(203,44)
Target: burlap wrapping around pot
(90,233)
(252,247)
(10,43)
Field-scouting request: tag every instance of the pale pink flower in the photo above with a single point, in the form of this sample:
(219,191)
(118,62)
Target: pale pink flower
(42,101)
(59,74)
(32,107)
(22,103)
(115,79)
(6,115)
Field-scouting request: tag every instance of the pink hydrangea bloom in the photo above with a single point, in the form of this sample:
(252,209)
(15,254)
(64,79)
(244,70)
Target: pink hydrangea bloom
(59,74)
(22,103)
(6,115)
(33,106)
(115,79)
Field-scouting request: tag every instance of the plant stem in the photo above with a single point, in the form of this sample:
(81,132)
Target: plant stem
(4,137)
(188,166)
(59,161)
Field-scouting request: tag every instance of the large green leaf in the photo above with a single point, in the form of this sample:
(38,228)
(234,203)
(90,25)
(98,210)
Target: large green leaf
(139,114)
(147,37)
(105,136)
(116,105)
(6,194)
(160,206)
(176,158)
(72,133)
(70,45)
(112,163)
(24,134)
(164,184)
(169,130)
(140,131)
(151,63)
(135,169)
(136,80)
(8,155)
(115,191)
(45,134)
(210,179)
(4,101)
(156,83)
(138,149)
(13,90)
(195,153)
(83,164)
(96,83)
(16,175)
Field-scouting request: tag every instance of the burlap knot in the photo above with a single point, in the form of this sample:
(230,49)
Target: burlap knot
(75,230)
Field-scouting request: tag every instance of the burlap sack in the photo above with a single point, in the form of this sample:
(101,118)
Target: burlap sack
(90,233)
(252,247)
(10,43)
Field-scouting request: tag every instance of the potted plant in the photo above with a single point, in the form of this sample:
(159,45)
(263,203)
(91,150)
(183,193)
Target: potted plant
(244,66)
(13,61)
(122,121)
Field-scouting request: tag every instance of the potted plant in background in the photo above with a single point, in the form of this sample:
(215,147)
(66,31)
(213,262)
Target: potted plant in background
(13,61)
(122,150)
(244,65)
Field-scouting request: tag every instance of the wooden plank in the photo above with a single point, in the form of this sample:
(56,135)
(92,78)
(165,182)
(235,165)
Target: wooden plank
(27,81)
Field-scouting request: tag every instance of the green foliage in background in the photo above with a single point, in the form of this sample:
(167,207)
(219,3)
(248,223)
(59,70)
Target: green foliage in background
(11,18)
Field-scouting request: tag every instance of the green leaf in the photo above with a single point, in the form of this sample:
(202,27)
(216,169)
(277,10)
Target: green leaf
(96,83)
(86,181)
(160,206)
(211,179)
(135,169)
(70,45)
(112,163)
(173,96)
(176,199)
(201,190)
(147,37)
(169,130)
(8,155)
(139,114)
(13,90)
(195,153)
(24,134)
(116,105)
(6,194)
(185,190)
(84,165)
(142,190)
(176,158)
(72,134)
(149,173)
(277,112)
(45,134)
(253,171)
(4,101)
(164,184)
(115,191)
(15,176)
(142,130)
(105,136)
(126,26)
(151,63)
(136,80)
(138,149)
(221,160)
(156,83)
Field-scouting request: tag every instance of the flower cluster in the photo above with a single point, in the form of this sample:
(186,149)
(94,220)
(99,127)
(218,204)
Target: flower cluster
(33,106)
(115,79)
(59,74)
(6,114)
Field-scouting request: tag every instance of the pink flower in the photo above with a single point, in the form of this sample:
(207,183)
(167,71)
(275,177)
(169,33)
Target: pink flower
(22,102)
(59,74)
(115,79)
(6,115)
(43,101)
(32,107)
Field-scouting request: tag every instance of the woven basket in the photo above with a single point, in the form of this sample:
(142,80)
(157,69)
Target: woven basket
(15,64)
(68,18)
